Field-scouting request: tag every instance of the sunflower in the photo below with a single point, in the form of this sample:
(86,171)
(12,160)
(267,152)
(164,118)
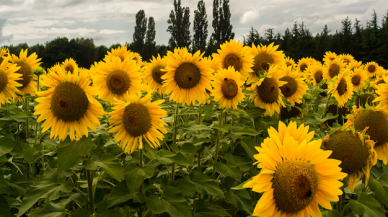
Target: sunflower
(263,57)
(215,65)
(27,65)
(137,119)
(346,58)
(153,74)
(187,77)
(375,121)
(267,91)
(68,105)
(69,65)
(227,88)
(342,88)
(234,54)
(333,68)
(290,62)
(329,56)
(354,64)
(382,91)
(316,74)
(117,79)
(300,133)
(120,52)
(8,81)
(4,52)
(135,56)
(295,177)
(295,88)
(358,79)
(303,64)
(362,99)
(355,151)
(371,68)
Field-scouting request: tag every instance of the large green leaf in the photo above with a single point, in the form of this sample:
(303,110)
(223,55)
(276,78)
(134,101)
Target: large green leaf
(192,126)
(135,176)
(108,163)
(240,199)
(243,131)
(6,146)
(43,187)
(51,209)
(69,152)
(380,187)
(366,204)
(331,213)
(204,184)
(203,208)
(5,210)
(119,194)
(155,204)
(230,167)
(243,163)
(249,145)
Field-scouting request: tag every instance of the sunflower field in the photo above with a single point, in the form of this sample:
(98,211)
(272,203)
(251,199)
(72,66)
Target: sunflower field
(246,131)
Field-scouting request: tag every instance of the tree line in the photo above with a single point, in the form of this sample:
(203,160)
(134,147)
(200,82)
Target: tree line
(369,43)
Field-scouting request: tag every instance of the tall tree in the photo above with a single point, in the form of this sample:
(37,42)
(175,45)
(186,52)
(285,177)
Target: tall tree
(269,35)
(346,33)
(179,26)
(200,28)
(252,37)
(149,48)
(140,31)
(221,22)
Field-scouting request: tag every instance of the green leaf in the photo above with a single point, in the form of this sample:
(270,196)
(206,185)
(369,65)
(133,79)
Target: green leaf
(204,184)
(43,187)
(184,160)
(231,168)
(203,208)
(51,209)
(380,187)
(366,204)
(192,126)
(108,163)
(135,176)
(331,213)
(120,194)
(3,159)
(172,202)
(240,199)
(80,213)
(6,146)
(187,188)
(249,145)
(255,112)
(155,204)
(69,152)
(243,163)
(243,131)
(240,186)
(28,153)
(5,210)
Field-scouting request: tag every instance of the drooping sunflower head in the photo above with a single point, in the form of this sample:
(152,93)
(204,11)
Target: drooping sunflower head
(354,64)
(234,54)
(375,121)
(346,58)
(228,88)
(117,79)
(68,105)
(333,68)
(4,52)
(316,74)
(293,178)
(290,62)
(342,87)
(135,120)
(355,151)
(267,91)
(27,65)
(8,81)
(358,79)
(329,56)
(120,52)
(365,98)
(187,77)
(69,65)
(295,87)
(153,72)
(371,69)
(263,57)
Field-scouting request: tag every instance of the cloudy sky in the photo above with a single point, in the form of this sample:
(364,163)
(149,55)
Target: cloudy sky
(112,21)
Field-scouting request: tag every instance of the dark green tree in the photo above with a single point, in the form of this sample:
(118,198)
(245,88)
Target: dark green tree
(346,36)
(269,36)
(225,26)
(149,48)
(252,37)
(322,40)
(140,32)
(179,26)
(102,50)
(286,42)
(200,28)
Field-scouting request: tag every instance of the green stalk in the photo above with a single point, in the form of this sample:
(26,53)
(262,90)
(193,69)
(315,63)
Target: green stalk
(27,132)
(176,120)
(327,105)
(140,211)
(217,145)
(89,176)
(36,132)
(232,142)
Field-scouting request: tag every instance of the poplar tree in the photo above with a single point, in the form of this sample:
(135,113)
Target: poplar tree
(149,48)
(200,28)
(179,26)
(140,31)
(221,22)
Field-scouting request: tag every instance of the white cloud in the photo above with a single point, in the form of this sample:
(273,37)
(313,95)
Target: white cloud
(109,32)
(249,16)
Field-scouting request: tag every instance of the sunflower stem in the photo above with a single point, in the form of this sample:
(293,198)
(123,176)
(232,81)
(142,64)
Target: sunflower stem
(140,211)
(327,105)
(217,145)
(232,142)
(89,177)
(176,120)
(339,204)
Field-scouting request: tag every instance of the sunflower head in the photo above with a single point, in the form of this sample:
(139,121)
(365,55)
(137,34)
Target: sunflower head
(153,74)
(290,62)
(333,68)
(69,65)
(358,78)
(315,73)
(295,87)
(8,81)
(136,57)
(371,69)
(4,52)
(329,56)
(354,64)
(346,58)
(120,52)
(342,87)
(354,150)
(362,99)
(303,64)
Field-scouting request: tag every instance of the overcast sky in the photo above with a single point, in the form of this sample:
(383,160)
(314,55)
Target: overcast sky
(112,21)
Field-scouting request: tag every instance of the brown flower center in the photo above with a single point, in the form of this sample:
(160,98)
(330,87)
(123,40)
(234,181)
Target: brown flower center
(303,66)
(69,68)
(371,69)
(362,99)
(187,76)
(229,88)
(318,76)
(26,72)
(157,74)
(290,88)
(136,119)
(268,91)
(334,70)
(377,123)
(356,80)
(342,87)
(233,60)
(295,184)
(261,63)
(69,102)
(3,80)
(118,82)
